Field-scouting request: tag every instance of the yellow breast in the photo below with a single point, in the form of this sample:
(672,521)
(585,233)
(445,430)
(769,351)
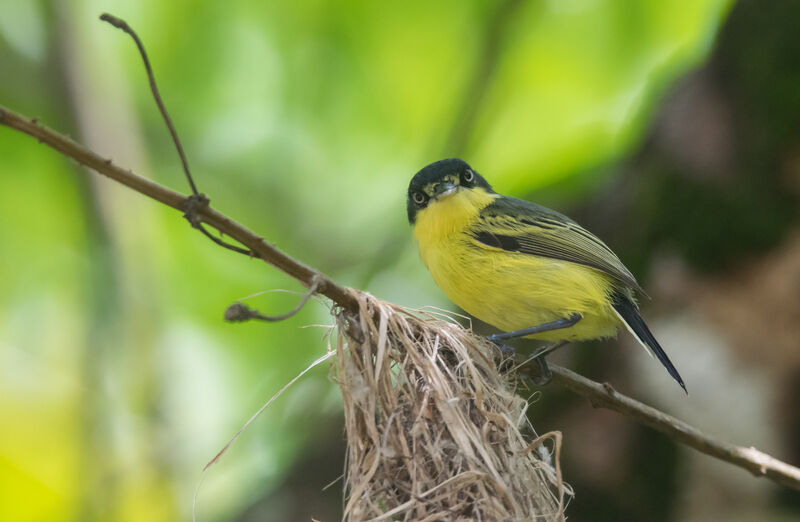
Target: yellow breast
(441,220)
(508,290)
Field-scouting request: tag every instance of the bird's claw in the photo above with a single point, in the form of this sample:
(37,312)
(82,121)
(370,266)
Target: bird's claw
(544,375)
(509,358)
(508,354)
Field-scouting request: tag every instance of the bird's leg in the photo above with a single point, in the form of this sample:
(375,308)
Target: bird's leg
(550,348)
(544,371)
(559,324)
(544,374)
(508,355)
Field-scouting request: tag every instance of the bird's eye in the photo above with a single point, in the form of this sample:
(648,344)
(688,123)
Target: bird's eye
(468,176)
(419,199)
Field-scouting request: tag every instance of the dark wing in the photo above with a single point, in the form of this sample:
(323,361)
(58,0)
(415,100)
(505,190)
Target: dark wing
(521,226)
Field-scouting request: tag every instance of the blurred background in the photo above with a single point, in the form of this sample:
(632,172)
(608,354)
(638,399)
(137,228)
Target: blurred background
(669,128)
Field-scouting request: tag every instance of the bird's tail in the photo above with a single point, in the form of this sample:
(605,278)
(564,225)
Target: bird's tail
(628,312)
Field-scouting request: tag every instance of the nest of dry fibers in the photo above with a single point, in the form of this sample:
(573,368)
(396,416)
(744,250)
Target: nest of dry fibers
(434,429)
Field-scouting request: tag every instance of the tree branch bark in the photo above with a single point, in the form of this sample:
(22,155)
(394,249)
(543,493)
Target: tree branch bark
(605,396)
(340,295)
(600,395)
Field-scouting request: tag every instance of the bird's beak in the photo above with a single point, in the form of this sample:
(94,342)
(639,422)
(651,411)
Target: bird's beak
(444,189)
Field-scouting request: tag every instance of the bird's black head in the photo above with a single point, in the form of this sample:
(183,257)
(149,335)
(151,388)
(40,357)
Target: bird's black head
(440,180)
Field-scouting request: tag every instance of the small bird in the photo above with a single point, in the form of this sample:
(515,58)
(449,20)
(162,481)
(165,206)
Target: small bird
(520,267)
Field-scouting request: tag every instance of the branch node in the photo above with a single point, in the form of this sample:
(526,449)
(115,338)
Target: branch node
(319,283)
(193,206)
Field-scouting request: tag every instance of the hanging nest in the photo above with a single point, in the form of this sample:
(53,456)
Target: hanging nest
(434,429)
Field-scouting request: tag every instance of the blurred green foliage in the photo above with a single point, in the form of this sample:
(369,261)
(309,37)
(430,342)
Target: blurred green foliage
(305,121)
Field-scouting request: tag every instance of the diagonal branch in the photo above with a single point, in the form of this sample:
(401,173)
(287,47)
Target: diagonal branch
(600,395)
(605,396)
(340,295)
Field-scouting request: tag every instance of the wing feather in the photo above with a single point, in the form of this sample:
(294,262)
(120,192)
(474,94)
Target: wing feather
(516,225)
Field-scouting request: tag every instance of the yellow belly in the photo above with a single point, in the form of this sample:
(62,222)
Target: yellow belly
(511,290)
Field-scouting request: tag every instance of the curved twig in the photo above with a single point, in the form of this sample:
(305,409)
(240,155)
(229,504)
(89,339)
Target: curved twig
(239,312)
(191,209)
(341,295)
(122,24)
(224,244)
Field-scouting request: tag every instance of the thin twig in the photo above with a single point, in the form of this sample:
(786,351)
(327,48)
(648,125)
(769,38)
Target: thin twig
(751,459)
(601,395)
(191,211)
(342,296)
(224,244)
(122,24)
(194,202)
(240,312)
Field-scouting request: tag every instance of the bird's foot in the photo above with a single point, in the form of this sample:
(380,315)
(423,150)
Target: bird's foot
(543,375)
(540,374)
(507,354)
(497,339)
